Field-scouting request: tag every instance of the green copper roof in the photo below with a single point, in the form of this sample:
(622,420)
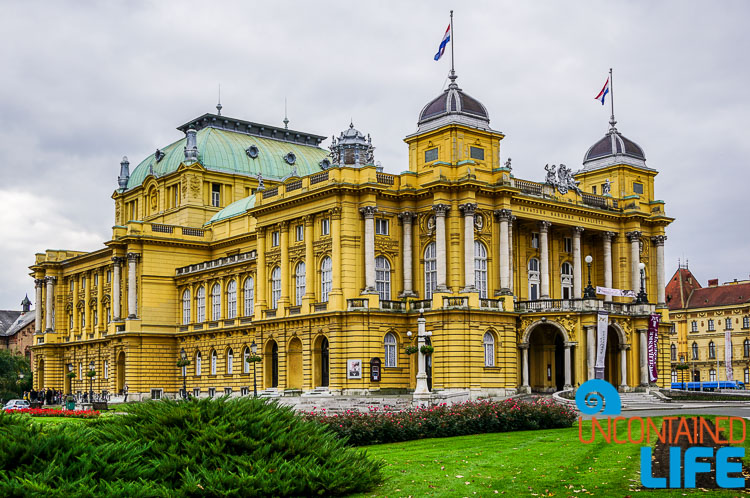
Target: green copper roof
(225,151)
(235,208)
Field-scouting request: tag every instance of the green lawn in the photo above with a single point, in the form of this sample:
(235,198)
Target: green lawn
(532,463)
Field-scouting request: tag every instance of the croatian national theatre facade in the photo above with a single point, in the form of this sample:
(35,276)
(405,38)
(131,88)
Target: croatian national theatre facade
(242,233)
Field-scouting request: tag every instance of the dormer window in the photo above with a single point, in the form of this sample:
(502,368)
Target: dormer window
(637,188)
(215,194)
(431,155)
(476,153)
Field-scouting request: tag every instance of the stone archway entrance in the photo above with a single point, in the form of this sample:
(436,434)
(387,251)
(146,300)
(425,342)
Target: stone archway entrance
(612,373)
(322,362)
(546,361)
(120,372)
(271,367)
(294,364)
(40,374)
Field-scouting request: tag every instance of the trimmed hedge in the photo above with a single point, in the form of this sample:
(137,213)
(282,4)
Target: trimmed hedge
(238,447)
(461,419)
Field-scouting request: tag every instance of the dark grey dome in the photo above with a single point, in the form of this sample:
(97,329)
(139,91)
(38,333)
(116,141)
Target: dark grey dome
(453,101)
(612,144)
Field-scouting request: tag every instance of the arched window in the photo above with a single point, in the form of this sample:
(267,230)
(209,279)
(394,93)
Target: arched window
(215,302)
(390,350)
(712,375)
(326,278)
(230,361)
(489,349)
(249,296)
(711,350)
(275,287)
(214,358)
(245,363)
(383,278)
(299,275)
(480,269)
(186,307)
(200,305)
(232,299)
(566,280)
(746,348)
(533,279)
(695,351)
(430,270)
(673,350)
(198,363)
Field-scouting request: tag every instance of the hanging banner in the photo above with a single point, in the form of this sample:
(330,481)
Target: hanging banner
(602,324)
(728,356)
(608,291)
(653,346)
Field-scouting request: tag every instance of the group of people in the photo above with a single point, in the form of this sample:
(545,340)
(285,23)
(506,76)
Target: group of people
(45,396)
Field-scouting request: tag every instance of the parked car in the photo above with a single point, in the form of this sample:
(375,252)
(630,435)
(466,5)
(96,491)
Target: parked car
(16,404)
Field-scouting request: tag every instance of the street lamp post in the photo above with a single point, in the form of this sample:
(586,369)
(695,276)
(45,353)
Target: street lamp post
(70,377)
(589,292)
(254,349)
(183,366)
(642,297)
(92,372)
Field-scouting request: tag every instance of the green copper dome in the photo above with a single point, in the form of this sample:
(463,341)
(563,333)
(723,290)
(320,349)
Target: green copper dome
(229,152)
(235,208)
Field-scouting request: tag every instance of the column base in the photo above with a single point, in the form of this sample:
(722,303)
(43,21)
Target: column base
(624,389)
(48,331)
(130,317)
(568,387)
(505,292)
(524,389)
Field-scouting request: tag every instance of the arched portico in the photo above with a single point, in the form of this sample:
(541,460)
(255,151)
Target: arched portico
(616,356)
(546,363)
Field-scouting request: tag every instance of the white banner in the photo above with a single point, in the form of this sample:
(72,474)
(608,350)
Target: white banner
(608,291)
(602,324)
(728,356)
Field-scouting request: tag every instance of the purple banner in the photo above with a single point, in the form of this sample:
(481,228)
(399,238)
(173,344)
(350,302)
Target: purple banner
(653,346)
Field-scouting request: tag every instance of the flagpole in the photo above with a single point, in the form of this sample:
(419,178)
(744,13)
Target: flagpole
(612,121)
(453,70)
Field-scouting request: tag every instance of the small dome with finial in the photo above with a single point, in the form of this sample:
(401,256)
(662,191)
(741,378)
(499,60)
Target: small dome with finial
(352,147)
(453,106)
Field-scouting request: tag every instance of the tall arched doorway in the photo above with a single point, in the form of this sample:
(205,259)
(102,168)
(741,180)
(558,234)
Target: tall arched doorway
(271,367)
(294,364)
(546,366)
(321,373)
(612,364)
(40,373)
(120,371)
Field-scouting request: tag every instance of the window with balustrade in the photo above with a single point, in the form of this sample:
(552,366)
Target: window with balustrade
(430,270)
(383,277)
(480,269)
(232,299)
(326,278)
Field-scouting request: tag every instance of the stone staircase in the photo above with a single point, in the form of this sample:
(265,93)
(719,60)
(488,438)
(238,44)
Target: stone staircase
(271,392)
(318,391)
(642,400)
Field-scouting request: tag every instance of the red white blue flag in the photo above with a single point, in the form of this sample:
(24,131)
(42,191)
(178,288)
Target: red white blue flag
(603,94)
(443,43)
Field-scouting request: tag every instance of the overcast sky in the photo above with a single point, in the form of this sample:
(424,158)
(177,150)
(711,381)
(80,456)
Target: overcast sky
(84,83)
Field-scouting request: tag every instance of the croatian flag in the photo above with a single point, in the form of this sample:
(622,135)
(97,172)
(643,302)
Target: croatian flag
(443,43)
(603,94)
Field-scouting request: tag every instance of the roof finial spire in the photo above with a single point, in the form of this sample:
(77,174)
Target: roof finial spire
(286,119)
(453,68)
(612,121)
(219,106)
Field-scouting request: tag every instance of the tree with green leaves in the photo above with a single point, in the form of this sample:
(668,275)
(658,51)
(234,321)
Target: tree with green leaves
(15,375)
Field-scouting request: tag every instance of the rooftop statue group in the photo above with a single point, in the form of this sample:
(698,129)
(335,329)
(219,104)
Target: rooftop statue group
(563,180)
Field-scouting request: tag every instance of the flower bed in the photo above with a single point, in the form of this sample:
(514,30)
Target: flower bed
(54,412)
(472,417)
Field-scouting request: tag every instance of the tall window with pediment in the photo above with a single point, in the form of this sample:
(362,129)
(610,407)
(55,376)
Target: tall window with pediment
(232,299)
(216,302)
(249,296)
(200,305)
(430,270)
(480,269)
(533,279)
(326,278)
(383,278)
(275,287)
(566,280)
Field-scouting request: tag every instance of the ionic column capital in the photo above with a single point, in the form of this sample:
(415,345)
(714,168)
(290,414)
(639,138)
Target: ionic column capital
(504,214)
(335,213)
(50,280)
(577,231)
(633,236)
(659,240)
(441,209)
(38,282)
(117,260)
(406,216)
(544,226)
(133,256)
(368,211)
(468,209)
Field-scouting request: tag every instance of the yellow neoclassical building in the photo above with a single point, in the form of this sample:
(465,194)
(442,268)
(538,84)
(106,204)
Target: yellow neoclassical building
(242,234)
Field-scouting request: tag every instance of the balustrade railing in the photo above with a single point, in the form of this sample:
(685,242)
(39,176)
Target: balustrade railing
(357,304)
(550,305)
(392,305)
(493,304)
(421,304)
(455,302)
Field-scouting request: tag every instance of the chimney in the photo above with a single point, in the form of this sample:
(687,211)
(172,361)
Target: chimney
(191,147)
(122,180)
(714,282)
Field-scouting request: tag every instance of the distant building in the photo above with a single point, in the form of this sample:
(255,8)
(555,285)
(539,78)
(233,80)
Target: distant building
(17,329)
(704,321)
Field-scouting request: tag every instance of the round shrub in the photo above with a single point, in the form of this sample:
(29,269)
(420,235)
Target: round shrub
(239,447)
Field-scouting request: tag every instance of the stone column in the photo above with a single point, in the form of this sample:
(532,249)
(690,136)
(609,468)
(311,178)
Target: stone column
(369,242)
(75,311)
(544,253)
(116,313)
(468,211)
(624,366)
(635,258)
(503,217)
(336,295)
(660,284)
(643,357)
(590,350)
(525,367)
(310,267)
(568,376)
(577,271)
(607,239)
(100,315)
(261,279)
(87,303)
(440,211)
(132,301)
(38,284)
(284,250)
(407,218)
(421,387)
(510,257)
(49,304)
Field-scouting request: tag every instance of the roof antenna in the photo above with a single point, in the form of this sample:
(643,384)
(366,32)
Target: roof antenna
(219,106)
(286,119)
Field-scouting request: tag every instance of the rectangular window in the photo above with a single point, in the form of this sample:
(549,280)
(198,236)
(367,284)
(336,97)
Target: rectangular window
(745,322)
(211,392)
(96,279)
(227,391)
(109,276)
(711,325)
(747,375)
(176,190)
(109,315)
(155,394)
(299,233)
(96,318)
(431,155)
(275,239)
(476,153)
(694,326)
(381,226)
(83,282)
(593,190)
(215,194)
(637,188)
(325,226)
(728,323)
(244,391)
(535,240)
(72,282)
(568,243)
(196,392)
